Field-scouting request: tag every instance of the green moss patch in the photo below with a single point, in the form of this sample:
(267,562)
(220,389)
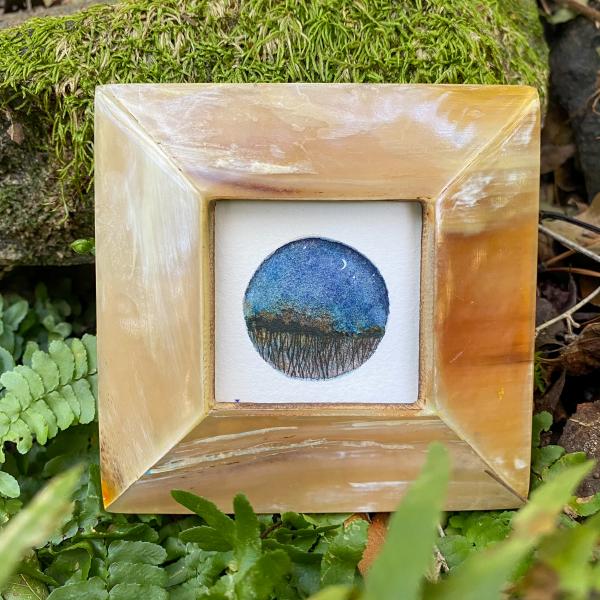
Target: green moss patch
(51,66)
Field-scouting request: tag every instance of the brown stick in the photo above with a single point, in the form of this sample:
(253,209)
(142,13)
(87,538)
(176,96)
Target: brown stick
(582,9)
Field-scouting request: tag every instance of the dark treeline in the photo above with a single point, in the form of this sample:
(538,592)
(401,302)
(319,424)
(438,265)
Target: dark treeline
(309,347)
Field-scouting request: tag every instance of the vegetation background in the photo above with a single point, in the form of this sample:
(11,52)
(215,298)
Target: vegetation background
(59,542)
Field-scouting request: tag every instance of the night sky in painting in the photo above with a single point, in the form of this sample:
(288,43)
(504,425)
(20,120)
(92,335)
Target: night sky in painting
(316,308)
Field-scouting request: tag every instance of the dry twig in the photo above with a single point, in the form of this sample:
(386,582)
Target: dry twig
(568,314)
(565,241)
(582,9)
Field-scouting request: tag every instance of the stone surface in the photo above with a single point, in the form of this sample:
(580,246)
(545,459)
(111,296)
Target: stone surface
(582,434)
(34,227)
(575,61)
(51,67)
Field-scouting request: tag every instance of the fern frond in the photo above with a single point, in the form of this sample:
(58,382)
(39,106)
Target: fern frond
(56,390)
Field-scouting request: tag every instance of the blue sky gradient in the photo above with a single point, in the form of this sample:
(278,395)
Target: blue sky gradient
(318,276)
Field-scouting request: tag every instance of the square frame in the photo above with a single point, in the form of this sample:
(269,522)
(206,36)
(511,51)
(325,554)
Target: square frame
(166,153)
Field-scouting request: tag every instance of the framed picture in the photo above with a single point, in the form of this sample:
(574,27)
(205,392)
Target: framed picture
(300,286)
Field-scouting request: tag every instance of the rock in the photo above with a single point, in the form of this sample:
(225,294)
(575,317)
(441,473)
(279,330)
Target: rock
(34,227)
(582,434)
(50,69)
(575,63)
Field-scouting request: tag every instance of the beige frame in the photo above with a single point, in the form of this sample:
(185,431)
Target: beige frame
(165,154)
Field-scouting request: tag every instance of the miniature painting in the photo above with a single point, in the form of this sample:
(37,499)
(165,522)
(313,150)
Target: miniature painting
(317,302)
(316,309)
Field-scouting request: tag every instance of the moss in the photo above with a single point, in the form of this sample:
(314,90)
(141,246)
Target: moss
(51,66)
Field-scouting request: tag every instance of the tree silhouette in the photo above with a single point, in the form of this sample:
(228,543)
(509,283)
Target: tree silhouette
(309,346)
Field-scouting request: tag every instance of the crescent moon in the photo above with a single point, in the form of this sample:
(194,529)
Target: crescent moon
(345,264)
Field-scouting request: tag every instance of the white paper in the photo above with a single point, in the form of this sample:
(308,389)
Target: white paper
(388,233)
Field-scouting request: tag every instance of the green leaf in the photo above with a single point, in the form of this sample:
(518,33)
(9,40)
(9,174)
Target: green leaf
(9,486)
(92,589)
(16,384)
(136,552)
(80,357)
(34,381)
(34,524)
(21,435)
(46,368)
(202,567)
(9,508)
(259,581)
(87,402)
(84,246)
(482,528)
(15,313)
(541,422)
(89,341)
(584,507)
(24,587)
(123,572)
(207,538)
(72,564)
(42,409)
(568,553)
(7,362)
(10,406)
(542,458)
(61,354)
(209,512)
(406,555)
(135,591)
(483,574)
(30,349)
(343,554)
(455,549)
(247,548)
(69,395)
(61,409)
(336,592)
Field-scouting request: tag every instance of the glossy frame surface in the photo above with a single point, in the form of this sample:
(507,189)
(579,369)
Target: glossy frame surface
(166,153)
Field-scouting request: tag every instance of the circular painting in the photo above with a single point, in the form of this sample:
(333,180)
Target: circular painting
(316,309)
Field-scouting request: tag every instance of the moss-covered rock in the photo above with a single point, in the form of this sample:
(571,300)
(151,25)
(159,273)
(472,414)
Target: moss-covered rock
(50,67)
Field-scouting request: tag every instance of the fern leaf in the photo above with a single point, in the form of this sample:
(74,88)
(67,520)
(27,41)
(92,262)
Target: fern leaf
(15,383)
(56,390)
(60,407)
(38,425)
(21,435)
(34,381)
(89,341)
(80,356)
(44,411)
(86,399)
(63,357)
(47,369)
(69,395)
(7,362)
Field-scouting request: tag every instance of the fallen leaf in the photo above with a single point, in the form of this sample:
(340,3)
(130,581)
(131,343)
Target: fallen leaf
(587,286)
(580,235)
(375,540)
(553,156)
(540,583)
(583,355)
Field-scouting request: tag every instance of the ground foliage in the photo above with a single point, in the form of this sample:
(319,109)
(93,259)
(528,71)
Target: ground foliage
(547,550)
(94,554)
(50,67)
